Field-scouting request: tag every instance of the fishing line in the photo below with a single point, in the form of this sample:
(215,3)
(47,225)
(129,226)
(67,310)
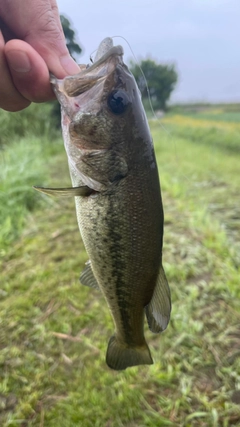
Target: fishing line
(91,56)
(146,83)
(177,159)
(152,109)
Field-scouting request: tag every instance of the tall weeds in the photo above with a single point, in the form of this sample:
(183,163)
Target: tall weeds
(27,140)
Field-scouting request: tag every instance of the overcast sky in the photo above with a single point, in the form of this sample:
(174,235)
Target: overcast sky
(202,38)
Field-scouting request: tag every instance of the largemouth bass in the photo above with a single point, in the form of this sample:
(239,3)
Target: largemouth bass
(118,200)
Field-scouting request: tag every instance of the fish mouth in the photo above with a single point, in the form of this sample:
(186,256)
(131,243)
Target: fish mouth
(106,60)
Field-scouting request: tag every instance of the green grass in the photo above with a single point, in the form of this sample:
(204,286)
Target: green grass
(23,163)
(224,116)
(220,112)
(35,120)
(214,133)
(54,332)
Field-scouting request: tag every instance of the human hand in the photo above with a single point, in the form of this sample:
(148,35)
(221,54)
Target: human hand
(32,44)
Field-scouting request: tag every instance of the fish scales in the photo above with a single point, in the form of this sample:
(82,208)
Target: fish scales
(118,199)
(119,259)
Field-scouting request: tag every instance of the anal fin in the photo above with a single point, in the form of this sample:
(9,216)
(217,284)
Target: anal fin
(159,309)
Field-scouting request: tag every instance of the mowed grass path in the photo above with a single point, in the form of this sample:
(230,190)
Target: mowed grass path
(54,332)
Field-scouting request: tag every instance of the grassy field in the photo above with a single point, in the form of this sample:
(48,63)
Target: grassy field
(54,332)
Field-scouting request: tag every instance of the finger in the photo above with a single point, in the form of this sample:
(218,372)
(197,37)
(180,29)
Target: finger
(56,15)
(39,25)
(7,33)
(10,98)
(57,55)
(29,71)
(54,52)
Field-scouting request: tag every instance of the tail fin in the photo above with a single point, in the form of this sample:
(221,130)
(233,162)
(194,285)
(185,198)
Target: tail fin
(120,356)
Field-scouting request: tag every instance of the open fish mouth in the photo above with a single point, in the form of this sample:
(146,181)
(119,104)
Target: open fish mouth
(106,60)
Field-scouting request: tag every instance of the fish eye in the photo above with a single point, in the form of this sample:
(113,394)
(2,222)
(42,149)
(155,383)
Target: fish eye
(118,101)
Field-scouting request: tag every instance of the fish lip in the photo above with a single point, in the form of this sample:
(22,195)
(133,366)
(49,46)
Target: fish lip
(103,47)
(113,51)
(85,79)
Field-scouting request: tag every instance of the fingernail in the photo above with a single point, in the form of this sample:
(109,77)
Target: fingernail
(69,65)
(18,61)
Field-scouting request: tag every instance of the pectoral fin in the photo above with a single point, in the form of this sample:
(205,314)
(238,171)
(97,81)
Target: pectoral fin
(87,277)
(83,191)
(159,309)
